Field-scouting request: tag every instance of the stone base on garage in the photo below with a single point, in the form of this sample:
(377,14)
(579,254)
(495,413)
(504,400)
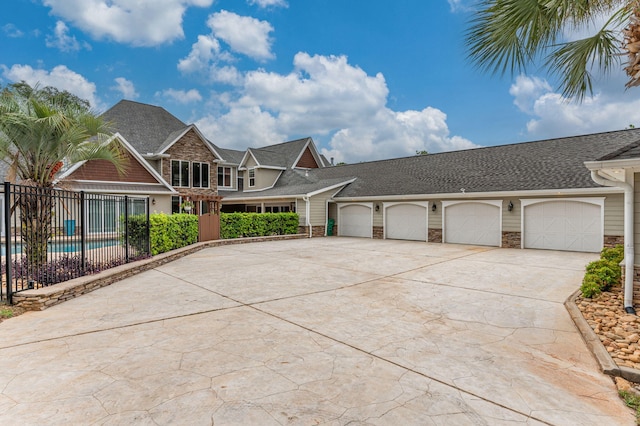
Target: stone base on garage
(434,235)
(511,240)
(316,231)
(378,232)
(613,240)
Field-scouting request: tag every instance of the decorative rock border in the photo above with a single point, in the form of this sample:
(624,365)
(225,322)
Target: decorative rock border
(605,361)
(42,298)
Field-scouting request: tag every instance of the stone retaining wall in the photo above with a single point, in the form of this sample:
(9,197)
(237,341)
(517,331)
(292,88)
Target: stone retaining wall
(42,298)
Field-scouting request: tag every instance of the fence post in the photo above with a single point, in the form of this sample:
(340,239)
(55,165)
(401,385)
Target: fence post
(126,228)
(7,240)
(148,208)
(83,234)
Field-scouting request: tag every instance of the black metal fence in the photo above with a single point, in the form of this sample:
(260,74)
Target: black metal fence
(49,236)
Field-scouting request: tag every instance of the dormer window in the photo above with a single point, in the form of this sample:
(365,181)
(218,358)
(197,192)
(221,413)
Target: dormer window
(252,177)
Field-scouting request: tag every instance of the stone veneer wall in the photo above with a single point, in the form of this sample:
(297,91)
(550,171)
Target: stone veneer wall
(613,240)
(511,239)
(42,298)
(435,235)
(378,232)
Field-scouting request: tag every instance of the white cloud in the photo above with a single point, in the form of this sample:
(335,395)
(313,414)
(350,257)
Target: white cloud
(327,98)
(181,96)
(243,34)
(269,3)
(12,31)
(60,39)
(203,52)
(141,23)
(60,77)
(462,5)
(555,116)
(125,87)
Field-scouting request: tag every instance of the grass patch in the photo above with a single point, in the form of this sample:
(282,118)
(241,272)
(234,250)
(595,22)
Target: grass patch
(6,313)
(632,401)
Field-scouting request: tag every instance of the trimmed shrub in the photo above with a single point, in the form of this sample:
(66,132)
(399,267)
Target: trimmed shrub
(602,274)
(137,233)
(236,225)
(169,232)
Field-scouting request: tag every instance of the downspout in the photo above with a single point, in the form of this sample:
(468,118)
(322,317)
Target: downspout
(307,219)
(629,252)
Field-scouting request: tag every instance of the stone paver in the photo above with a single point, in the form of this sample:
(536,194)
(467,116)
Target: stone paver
(321,331)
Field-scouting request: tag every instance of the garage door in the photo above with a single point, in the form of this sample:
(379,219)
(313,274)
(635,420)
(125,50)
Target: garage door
(472,223)
(355,221)
(563,225)
(406,222)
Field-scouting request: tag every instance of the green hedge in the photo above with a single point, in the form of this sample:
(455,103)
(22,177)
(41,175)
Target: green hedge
(236,225)
(137,228)
(169,232)
(602,274)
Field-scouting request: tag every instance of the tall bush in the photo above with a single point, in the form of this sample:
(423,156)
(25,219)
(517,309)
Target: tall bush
(169,232)
(603,273)
(236,225)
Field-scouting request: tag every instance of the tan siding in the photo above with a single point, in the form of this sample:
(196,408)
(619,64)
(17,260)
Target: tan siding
(614,214)
(378,217)
(318,210)
(250,162)
(511,220)
(435,218)
(265,178)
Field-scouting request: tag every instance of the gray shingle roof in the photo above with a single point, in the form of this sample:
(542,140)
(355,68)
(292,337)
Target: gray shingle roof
(625,153)
(528,166)
(145,127)
(231,156)
(280,155)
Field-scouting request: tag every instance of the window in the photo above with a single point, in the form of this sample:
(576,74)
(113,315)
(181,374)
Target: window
(103,215)
(200,178)
(175,204)
(179,173)
(240,182)
(252,177)
(224,177)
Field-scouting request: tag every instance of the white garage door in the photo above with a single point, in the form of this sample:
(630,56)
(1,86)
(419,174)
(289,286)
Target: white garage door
(406,222)
(563,225)
(472,223)
(355,221)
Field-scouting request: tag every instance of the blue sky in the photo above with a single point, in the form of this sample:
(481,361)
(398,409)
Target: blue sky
(367,79)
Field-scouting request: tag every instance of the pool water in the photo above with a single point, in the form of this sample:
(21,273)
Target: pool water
(64,246)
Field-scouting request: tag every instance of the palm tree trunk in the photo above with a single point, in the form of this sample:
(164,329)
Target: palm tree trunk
(36,215)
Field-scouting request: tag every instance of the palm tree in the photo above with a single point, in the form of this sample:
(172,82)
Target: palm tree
(42,130)
(508,35)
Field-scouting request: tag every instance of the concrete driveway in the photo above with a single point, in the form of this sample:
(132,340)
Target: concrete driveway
(321,331)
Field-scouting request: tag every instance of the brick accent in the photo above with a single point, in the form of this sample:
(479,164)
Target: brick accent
(435,235)
(378,232)
(613,240)
(42,298)
(317,231)
(191,148)
(511,239)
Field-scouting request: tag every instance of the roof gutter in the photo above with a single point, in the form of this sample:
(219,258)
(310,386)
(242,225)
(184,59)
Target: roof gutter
(629,251)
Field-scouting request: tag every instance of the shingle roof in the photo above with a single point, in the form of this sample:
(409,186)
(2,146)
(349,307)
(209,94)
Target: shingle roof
(548,164)
(625,153)
(280,155)
(145,127)
(231,156)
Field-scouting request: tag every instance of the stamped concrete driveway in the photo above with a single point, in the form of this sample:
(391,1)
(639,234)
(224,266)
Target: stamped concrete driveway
(320,331)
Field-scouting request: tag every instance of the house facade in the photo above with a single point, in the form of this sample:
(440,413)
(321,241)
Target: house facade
(539,195)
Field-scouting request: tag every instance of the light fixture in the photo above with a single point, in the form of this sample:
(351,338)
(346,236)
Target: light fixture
(434,207)
(510,206)
(377,207)
(153,201)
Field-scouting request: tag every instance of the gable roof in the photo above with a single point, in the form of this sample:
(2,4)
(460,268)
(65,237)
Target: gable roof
(146,127)
(161,185)
(282,155)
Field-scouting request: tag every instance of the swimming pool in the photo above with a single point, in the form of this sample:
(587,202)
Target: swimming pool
(64,246)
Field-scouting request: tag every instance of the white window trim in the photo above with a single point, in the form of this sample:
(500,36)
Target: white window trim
(208,177)
(230,186)
(252,169)
(180,177)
